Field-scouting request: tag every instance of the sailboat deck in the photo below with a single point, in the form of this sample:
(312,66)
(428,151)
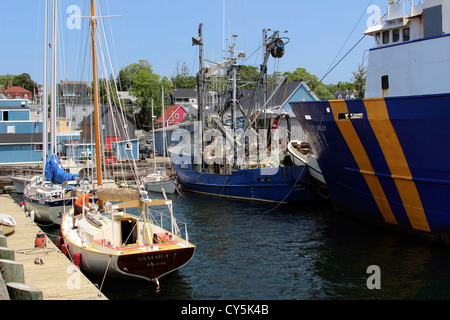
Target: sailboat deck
(106,238)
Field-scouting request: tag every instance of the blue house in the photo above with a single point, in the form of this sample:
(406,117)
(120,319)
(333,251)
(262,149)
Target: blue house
(300,92)
(20,136)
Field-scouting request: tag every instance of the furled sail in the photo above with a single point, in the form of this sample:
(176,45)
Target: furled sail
(55,173)
(117,194)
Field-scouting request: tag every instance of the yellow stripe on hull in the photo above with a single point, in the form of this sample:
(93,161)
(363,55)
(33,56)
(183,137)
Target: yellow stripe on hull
(354,143)
(390,145)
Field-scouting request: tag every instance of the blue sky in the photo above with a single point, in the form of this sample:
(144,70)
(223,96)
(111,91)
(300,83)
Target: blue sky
(161,32)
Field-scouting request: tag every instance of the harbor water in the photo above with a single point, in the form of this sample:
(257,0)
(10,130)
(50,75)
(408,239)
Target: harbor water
(263,251)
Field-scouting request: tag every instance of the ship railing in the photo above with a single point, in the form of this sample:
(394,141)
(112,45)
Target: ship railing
(403,8)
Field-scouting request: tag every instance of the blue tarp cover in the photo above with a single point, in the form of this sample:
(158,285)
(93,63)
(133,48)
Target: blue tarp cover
(55,173)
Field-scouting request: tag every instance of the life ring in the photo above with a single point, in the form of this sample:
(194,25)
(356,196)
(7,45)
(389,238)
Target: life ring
(275,124)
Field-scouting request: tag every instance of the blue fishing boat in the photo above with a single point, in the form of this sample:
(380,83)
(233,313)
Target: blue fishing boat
(384,158)
(234,150)
(273,184)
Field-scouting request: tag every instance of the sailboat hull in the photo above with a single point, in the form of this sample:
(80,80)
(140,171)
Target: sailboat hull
(20,182)
(139,266)
(155,186)
(47,211)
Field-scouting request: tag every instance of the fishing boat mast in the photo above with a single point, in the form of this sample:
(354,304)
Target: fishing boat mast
(96,102)
(275,47)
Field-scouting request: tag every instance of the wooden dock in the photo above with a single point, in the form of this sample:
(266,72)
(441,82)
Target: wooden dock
(56,276)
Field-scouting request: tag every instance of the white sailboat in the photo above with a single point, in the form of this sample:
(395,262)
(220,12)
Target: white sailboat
(121,238)
(20,182)
(7,223)
(159,180)
(45,200)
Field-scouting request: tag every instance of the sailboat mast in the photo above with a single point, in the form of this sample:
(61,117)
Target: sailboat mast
(154,142)
(164,127)
(96,101)
(45,95)
(54,75)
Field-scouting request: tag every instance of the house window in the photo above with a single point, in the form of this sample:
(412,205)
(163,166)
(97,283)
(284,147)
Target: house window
(386,37)
(10,129)
(25,95)
(395,35)
(129,146)
(5,116)
(9,95)
(406,35)
(177,116)
(38,147)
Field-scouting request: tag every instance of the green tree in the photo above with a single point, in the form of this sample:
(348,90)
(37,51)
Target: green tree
(317,87)
(6,80)
(340,86)
(146,86)
(183,79)
(127,75)
(23,80)
(248,76)
(359,80)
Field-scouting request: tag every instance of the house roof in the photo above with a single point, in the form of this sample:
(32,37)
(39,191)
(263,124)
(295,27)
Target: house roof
(184,93)
(65,86)
(169,112)
(15,89)
(278,99)
(88,120)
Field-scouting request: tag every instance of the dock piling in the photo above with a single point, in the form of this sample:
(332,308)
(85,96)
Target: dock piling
(12,271)
(22,291)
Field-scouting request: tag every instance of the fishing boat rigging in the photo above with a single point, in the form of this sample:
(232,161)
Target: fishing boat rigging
(228,155)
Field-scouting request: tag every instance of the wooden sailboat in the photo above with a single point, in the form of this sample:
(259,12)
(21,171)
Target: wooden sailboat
(113,242)
(159,180)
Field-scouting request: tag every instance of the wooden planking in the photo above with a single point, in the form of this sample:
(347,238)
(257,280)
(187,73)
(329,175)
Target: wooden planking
(56,276)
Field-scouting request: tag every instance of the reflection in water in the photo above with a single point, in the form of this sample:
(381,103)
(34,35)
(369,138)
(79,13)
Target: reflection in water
(245,251)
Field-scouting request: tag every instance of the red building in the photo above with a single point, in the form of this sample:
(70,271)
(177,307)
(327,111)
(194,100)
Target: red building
(173,115)
(16,92)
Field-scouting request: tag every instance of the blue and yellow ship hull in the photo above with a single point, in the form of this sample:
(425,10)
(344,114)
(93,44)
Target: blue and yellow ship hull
(385,160)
